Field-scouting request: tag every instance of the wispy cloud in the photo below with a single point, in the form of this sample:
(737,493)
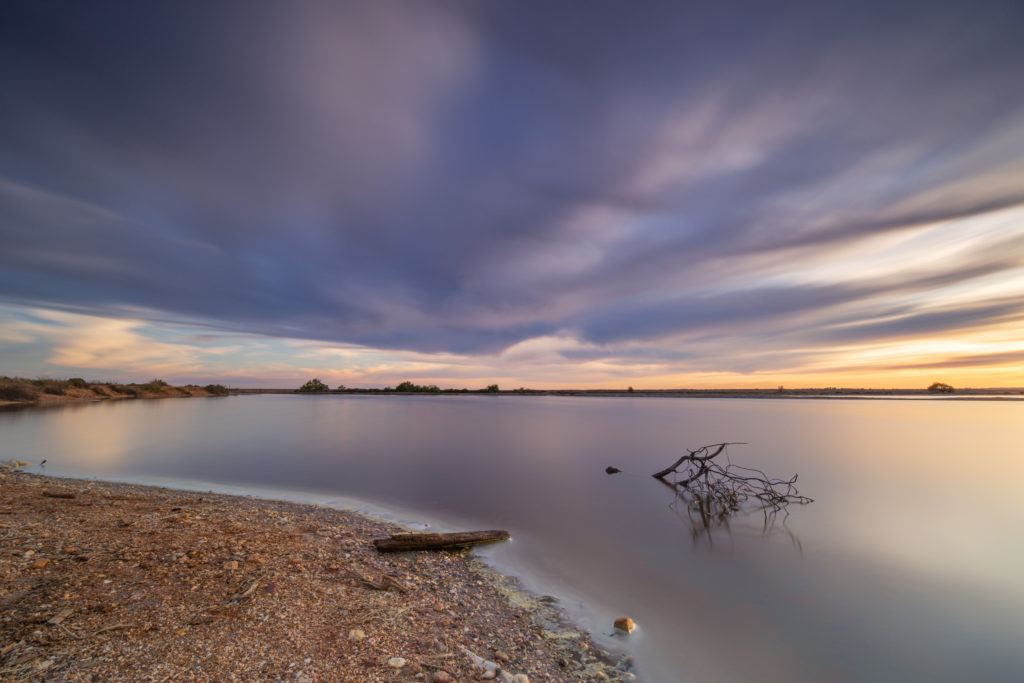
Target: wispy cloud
(454,188)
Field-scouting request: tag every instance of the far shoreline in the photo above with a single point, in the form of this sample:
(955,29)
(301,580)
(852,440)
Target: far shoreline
(17,393)
(966,394)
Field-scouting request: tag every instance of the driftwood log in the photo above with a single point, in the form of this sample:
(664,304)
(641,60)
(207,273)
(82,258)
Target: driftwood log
(435,541)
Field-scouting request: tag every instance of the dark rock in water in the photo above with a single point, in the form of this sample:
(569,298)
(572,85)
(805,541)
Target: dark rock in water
(612,470)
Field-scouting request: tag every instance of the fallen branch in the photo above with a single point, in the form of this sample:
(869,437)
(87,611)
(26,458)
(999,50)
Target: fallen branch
(386,582)
(435,541)
(247,592)
(713,492)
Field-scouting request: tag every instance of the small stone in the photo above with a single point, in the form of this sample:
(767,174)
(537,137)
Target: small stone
(501,657)
(520,678)
(29,553)
(356,635)
(487,675)
(625,624)
(440,677)
(232,565)
(396,662)
(40,564)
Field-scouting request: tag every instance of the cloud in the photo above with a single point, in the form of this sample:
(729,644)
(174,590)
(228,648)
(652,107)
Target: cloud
(461,180)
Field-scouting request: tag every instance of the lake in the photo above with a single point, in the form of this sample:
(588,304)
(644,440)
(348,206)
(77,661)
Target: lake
(909,565)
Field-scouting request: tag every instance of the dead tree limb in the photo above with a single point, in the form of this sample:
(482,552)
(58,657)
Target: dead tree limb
(434,541)
(716,491)
(696,456)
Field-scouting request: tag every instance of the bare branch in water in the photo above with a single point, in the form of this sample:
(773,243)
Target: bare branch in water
(713,492)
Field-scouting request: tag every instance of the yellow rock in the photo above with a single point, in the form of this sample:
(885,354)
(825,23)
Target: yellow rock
(625,624)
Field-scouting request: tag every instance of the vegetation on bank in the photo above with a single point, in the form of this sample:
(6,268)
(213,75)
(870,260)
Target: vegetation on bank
(407,387)
(48,390)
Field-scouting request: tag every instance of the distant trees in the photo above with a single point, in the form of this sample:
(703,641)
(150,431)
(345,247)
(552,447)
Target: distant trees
(492,388)
(408,386)
(312,386)
(940,388)
(216,389)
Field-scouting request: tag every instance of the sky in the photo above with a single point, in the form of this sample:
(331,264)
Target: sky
(539,194)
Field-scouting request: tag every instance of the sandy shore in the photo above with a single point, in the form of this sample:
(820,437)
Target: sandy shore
(118,582)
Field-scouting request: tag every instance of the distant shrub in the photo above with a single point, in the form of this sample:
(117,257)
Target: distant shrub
(78,383)
(409,386)
(216,389)
(155,385)
(313,385)
(492,388)
(128,389)
(55,387)
(940,388)
(15,390)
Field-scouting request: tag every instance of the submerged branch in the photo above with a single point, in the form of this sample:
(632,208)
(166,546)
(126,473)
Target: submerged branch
(731,485)
(713,492)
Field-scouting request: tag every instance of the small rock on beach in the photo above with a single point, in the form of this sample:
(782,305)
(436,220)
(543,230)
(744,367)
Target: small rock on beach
(625,624)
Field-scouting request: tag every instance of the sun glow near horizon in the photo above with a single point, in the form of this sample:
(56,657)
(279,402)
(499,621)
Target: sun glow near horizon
(61,344)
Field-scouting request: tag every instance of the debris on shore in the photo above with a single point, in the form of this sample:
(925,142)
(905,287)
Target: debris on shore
(122,582)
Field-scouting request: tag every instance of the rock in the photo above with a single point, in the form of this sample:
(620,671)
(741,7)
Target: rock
(356,635)
(396,662)
(232,565)
(40,564)
(487,675)
(440,677)
(520,678)
(625,624)
(612,470)
(501,657)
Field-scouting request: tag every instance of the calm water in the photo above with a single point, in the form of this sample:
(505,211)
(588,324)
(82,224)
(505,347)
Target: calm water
(909,565)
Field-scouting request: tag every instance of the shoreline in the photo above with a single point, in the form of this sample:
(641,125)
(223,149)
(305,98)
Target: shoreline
(107,581)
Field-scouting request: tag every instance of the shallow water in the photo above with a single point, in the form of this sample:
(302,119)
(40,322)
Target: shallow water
(909,565)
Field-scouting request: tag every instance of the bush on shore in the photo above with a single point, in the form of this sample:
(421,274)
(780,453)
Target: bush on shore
(313,385)
(15,389)
(419,388)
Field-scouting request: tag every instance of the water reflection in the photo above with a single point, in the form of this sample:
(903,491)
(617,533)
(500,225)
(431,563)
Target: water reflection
(706,517)
(892,583)
(712,493)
